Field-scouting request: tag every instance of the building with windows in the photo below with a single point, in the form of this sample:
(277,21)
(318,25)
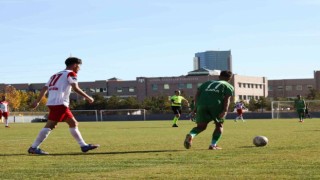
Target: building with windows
(213,60)
(246,87)
(290,88)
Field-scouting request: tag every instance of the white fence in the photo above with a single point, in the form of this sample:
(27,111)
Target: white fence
(81,115)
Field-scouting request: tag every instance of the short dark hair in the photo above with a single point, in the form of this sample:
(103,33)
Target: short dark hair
(72,60)
(226,74)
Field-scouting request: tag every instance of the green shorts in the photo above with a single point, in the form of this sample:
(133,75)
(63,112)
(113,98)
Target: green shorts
(207,114)
(300,111)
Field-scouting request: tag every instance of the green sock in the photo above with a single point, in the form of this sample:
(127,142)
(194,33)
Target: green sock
(216,136)
(175,120)
(195,131)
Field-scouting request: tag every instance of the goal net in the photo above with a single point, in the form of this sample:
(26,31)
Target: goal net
(123,115)
(85,115)
(285,109)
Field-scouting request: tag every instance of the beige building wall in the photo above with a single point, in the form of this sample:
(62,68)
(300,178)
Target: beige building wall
(250,87)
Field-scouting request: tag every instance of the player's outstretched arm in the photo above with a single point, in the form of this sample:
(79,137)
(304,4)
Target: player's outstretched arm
(42,93)
(78,90)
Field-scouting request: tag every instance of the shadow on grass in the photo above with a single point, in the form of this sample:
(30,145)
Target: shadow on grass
(118,152)
(247,147)
(94,153)
(146,127)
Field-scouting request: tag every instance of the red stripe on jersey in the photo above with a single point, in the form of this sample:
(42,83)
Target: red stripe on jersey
(72,74)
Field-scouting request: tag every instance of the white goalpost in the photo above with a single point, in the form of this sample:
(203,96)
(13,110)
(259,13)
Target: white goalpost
(285,109)
(122,114)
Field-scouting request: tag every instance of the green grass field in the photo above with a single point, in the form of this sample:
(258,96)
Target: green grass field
(154,150)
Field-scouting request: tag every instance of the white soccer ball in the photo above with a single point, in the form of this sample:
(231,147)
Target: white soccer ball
(260,141)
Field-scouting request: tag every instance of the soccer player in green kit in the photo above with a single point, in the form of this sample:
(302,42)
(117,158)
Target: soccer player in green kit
(300,106)
(212,103)
(176,101)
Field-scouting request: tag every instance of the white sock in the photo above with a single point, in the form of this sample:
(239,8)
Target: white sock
(7,122)
(77,136)
(43,134)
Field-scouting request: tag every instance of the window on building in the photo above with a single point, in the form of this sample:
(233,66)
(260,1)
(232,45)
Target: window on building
(119,90)
(101,89)
(299,87)
(239,85)
(288,88)
(199,84)
(181,86)
(244,85)
(92,90)
(248,85)
(252,85)
(256,86)
(189,86)
(280,88)
(260,86)
(154,87)
(270,88)
(131,89)
(240,97)
(244,97)
(309,86)
(166,86)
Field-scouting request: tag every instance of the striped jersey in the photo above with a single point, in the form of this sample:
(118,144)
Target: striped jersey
(4,106)
(59,87)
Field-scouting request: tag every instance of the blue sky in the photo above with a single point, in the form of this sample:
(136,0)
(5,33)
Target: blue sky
(277,39)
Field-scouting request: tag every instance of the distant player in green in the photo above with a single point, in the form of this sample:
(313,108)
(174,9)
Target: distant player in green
(191,109)
(300,106)
(176,102)
(211,104)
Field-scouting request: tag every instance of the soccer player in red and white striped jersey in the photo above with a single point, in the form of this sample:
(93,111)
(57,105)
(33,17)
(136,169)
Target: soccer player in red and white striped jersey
(239,107)
(4,111)
(59,88)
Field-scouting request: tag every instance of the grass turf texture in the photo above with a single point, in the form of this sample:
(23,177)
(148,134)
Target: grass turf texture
(154,150)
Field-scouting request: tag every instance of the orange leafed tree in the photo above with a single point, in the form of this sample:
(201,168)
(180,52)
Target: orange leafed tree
(13,97)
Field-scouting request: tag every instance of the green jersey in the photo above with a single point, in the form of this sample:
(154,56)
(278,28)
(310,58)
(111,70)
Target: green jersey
(300,104)
(212,93)
(176,100)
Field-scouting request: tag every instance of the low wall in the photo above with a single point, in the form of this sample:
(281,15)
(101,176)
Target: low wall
(88,118)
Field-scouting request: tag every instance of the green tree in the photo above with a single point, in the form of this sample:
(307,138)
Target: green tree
(252,106)
(130,103)
(99,102)
(314,94)
(157,104)
(114,102)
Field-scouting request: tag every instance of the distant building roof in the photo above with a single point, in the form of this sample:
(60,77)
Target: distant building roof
(114,79)
(204,72)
